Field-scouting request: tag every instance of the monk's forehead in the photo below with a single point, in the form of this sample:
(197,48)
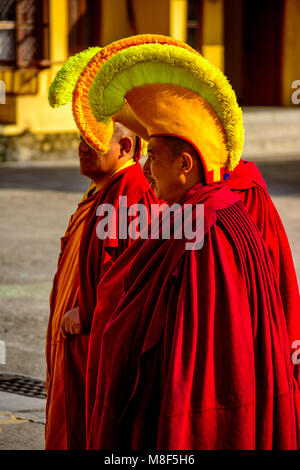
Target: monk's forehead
(156,143)
(122,131)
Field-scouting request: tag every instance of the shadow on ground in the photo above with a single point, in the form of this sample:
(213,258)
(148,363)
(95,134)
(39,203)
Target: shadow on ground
(64,179)
(282,177)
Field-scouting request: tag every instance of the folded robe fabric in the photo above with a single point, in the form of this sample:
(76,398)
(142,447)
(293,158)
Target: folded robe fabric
(196,354)
(91,258)
(247,182)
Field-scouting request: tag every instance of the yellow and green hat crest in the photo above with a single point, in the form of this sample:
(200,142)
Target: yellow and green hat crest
(61,89)
(154,85)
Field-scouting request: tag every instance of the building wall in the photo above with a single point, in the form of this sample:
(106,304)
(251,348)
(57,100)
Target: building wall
(154,16)
(26,106)
(114,23)
(27,112)
(233,50)
(291,48)
(29,127)
(150,17)
(213,32)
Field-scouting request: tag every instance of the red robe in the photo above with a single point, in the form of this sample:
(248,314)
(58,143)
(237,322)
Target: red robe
(196,354)
(65,427)
(247,182)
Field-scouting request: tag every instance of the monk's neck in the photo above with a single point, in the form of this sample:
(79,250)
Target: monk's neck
(100,181)
(184,190)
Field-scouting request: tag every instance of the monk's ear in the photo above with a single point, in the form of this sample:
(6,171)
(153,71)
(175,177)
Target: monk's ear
(126,145)
(186,163)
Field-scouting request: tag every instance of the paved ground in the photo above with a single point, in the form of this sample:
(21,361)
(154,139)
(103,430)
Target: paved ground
(35,204)
(21,422)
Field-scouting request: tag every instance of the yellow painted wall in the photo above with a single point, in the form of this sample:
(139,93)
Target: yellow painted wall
(151,17)
(58,19)
(8,111)
(27,105)
(178,19)
(213,32)
(291,49)
(114,23)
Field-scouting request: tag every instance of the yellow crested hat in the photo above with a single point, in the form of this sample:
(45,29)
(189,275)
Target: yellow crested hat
(153,85)
(73,83)
(171,90)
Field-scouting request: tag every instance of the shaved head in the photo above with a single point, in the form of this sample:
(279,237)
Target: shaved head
(120,132)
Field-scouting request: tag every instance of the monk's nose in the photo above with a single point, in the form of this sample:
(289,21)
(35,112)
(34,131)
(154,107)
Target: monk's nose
(83,147)
(146,168)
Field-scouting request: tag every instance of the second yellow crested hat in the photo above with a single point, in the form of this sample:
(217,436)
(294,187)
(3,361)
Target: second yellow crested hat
(98,132)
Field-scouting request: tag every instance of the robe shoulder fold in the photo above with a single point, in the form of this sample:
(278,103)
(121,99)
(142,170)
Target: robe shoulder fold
(245,176)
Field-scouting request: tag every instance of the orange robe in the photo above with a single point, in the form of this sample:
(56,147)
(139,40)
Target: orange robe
(63,298)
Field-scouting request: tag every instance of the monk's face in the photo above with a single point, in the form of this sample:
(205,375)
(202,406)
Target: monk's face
(96,164)
(163,172)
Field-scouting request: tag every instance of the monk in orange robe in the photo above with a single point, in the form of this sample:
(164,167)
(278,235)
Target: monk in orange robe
(114,174)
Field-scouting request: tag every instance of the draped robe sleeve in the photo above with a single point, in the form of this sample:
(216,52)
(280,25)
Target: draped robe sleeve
(247,182)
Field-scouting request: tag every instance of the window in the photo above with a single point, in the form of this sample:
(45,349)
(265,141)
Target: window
(24,33)
(8,31)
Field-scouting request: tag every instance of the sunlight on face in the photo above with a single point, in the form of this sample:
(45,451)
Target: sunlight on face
(94,163)
(161,170)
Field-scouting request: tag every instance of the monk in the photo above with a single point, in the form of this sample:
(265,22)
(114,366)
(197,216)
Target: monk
(196,354)
(189,346)
(83,260)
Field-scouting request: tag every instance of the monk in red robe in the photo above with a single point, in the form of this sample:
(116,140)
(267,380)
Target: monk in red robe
(196,354)
(83,260)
